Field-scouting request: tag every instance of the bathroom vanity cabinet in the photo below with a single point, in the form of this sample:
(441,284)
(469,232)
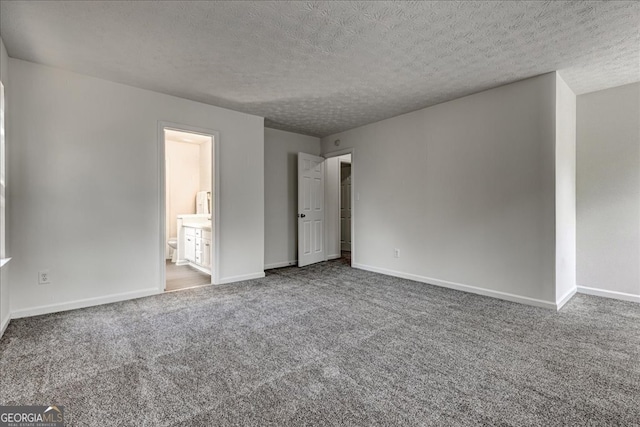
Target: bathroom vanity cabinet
(195,242)
(197,247)
(189,244)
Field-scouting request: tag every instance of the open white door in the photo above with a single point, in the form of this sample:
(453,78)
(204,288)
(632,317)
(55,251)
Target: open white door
(310,209)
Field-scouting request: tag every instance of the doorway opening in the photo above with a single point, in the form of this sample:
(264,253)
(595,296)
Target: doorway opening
(341,196)
(189,205)
(345,208)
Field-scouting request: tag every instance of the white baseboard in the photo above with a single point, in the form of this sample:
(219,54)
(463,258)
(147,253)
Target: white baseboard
(609,294)
(461,287)
(241,278)
(83,303)
(295,262)
(4,324)
(565,299)
(280,264)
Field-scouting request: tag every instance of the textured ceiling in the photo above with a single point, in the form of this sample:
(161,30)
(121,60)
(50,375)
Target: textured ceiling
(323,67)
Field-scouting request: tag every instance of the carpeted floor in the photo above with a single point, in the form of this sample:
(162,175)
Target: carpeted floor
(329,345)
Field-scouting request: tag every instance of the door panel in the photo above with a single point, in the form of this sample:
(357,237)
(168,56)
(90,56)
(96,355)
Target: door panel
(190,248)
(310,209)
(307,193)
(307,237)
(318,236)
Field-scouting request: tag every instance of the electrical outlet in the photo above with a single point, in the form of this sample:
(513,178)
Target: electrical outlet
(43,277)
(396,253)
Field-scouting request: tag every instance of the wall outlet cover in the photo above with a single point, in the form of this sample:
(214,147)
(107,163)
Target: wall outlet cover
(44,277)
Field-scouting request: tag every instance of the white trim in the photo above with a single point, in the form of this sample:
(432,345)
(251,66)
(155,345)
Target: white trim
(623,296)
(565,299)
(4,324)
(83,303)
(240,278)
(280,264)
(4,261)
(215,176)
(162,203)
(460,287)
(334,256)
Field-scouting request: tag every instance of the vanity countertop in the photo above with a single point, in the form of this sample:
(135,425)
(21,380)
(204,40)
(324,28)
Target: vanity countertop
(202,225)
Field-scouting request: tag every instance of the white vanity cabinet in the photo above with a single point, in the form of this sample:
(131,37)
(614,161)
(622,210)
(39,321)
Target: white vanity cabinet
(206,253)
(190,249)
(198,259)
(197,248)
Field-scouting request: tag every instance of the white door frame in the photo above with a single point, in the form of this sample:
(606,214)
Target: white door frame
(215,176)
(340,163)
(338,153)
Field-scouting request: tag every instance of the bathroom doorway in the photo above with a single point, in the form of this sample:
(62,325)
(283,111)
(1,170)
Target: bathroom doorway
(188,209)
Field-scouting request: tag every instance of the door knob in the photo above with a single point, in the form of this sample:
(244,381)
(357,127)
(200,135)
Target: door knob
(302,215)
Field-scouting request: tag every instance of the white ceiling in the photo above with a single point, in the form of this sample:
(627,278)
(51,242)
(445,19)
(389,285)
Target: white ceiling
(323,67)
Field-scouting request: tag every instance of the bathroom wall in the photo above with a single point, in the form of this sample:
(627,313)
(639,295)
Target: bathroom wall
(183,176)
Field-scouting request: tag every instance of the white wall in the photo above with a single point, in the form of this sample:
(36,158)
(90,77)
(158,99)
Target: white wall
(183,175)
(281,193)
(5,312)
(466,191)
(85,188)
(608,192)
(565,191)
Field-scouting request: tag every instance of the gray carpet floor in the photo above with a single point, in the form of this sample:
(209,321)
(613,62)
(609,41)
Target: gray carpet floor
(329,345)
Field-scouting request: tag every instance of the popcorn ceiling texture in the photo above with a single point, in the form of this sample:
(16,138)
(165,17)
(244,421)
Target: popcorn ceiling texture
(323,67)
